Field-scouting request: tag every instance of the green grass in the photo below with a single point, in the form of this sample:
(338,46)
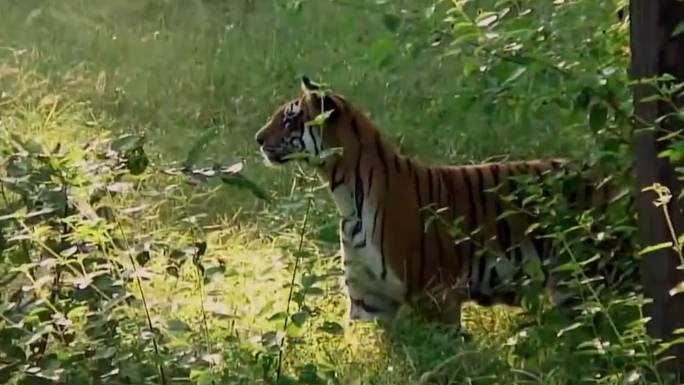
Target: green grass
(76,69)
(252,263)
(175,68)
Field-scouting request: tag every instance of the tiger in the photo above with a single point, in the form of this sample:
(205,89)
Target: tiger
(397,237)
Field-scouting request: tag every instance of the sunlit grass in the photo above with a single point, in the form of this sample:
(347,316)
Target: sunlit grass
(72,70)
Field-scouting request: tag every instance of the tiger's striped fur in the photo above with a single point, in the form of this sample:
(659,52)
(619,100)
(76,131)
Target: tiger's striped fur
(397,234)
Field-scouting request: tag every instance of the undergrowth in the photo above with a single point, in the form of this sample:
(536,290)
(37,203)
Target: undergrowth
(112,275)
(128,257)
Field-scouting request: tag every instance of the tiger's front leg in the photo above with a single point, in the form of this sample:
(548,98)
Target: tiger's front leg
(371,296)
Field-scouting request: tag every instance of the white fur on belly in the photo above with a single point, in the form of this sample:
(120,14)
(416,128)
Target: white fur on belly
(363,263)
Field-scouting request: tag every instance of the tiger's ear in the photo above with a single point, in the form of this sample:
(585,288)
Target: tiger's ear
(313,93)
(308,86)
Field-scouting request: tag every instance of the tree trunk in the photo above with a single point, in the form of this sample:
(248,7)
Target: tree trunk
(656,52)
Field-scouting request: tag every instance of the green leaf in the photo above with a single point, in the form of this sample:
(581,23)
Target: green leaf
(507,214)
(675,151)
(137,161)
(314,291)
(300,318)
(295,5)
(652,248)
(382,50)
(568,328)
(279,316)
(391,22)
(328,234)
(127,142)
(678,29)
(199,145)
(77,312)
(218,309)
(270,338)
(285,380)
(18,167)
(569,266)
(598,116)
(176,325)
(469,66)
(514,76)
(533,268)
(583,99)
(486,19)
(142,257)
(202,377)
(328,152)
(677,289)
(242,182)
(331,327)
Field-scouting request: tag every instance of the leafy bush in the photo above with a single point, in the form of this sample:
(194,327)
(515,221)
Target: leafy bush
(115,270)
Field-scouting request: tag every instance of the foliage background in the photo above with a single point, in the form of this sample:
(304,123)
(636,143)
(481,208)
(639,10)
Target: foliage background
(449,81)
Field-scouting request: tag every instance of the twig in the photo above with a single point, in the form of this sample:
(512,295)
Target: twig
(292,282)
(162,374)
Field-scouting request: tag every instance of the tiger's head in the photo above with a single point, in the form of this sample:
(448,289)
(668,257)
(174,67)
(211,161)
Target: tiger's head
(297,128)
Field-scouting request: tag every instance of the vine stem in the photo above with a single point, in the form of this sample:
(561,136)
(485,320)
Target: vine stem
(162,374)
(302,232)
(204,312)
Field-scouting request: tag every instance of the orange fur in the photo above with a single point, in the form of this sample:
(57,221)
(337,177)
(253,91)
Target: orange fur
(407,210)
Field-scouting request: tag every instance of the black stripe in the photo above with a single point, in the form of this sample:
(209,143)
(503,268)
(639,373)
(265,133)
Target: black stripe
(588,193)
(437,226)
(343,225)
(358,226)
(409,165)
(383,160)
(536,168)
(606,197)
(397,165)
(313,138)
(366,307)
(335,183)
(517,255)
(481,192)
(419,198)
(573,195)
(370,180)
(355,129)
(452,206)
(358,190)
(383,275)
(300,138)
(556,164)
(482,299)
(503,230)
(481,268)
(471,220)
(512,180)
(431,198)
(416,183)
(540,244)
(375,221)
(494,279)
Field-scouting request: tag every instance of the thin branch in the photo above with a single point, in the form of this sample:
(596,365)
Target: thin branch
(302,233)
